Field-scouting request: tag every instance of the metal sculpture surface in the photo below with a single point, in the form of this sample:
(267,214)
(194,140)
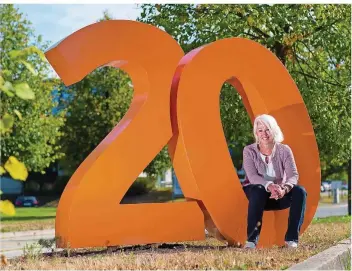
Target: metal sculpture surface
(176,102)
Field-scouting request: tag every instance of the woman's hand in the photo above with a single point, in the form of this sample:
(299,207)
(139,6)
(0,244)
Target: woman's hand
(273,190)
(280,192)
(276,191)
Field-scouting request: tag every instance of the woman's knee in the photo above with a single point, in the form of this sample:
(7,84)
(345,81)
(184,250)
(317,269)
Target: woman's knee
(258,190)
(257,198)
(299,190)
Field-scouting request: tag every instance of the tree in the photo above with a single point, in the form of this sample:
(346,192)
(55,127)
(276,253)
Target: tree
(34,136)
(312,41)
(94,106)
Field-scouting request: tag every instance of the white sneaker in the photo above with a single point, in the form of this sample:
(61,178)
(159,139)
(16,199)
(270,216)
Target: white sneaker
(291,244)
(250,245)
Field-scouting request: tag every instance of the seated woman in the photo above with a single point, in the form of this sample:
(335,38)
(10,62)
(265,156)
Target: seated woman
(271,181)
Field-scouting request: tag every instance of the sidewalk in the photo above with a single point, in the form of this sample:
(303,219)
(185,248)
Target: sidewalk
(12,243)
(325,210)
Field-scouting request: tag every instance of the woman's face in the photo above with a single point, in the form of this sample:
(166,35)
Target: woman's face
(263,134)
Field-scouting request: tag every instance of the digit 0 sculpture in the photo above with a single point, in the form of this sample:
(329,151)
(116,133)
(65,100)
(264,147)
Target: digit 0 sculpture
(176,102)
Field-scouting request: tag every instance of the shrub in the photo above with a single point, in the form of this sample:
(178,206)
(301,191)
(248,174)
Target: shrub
(60,184)
(141,186)
(32,186)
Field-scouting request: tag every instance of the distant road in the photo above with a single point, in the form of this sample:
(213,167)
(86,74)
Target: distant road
(331,210)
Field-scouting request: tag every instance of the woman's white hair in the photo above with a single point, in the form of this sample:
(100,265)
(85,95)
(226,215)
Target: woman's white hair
(271,123)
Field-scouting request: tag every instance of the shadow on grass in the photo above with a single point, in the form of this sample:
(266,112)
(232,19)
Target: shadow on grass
(16,218)
(161,248)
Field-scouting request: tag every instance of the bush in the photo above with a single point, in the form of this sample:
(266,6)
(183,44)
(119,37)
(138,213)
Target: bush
(32,186)
(141,186)
(60,184)
(47,187)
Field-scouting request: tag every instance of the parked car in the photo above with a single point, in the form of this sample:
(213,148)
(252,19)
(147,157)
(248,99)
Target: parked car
(26,201)
(326,185)
(322,189)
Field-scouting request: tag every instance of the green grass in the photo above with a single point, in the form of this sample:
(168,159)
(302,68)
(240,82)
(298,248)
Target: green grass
(347,264)
(32,213)
(330,199)
(197,255)
(44,217)
(332,219)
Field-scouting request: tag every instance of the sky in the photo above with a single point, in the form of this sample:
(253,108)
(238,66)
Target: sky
(56,21)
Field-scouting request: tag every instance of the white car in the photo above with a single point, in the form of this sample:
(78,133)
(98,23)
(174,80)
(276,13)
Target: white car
(326,185)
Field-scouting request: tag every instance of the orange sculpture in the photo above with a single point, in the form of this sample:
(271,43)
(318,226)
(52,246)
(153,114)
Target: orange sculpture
(176,102)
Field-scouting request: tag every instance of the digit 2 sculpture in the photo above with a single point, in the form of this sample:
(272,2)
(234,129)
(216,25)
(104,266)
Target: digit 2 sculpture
(176,103)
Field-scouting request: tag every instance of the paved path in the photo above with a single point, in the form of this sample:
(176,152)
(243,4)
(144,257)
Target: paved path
(12,243)
(331,210)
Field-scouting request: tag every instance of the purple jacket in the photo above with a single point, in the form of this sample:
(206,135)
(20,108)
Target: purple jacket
(283,162)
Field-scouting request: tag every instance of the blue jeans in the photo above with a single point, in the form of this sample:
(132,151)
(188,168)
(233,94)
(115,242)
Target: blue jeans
(259,201)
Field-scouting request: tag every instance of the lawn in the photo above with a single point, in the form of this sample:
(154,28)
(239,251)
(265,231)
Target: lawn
(332,219)
(31,213)
(32,218)
(208,254)
(326,198)
(37,218)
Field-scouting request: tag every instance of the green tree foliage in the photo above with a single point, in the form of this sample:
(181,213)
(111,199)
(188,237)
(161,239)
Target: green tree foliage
(94,107)
(26,94)
(312,41)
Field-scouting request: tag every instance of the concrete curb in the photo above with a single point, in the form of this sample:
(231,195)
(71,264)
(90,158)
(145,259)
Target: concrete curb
(334,258)
(19,252)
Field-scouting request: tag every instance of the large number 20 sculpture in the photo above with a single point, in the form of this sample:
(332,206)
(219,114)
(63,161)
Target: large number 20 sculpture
(176,102)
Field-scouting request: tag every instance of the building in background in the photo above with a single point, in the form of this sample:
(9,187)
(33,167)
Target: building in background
(165,180)
(9,186)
